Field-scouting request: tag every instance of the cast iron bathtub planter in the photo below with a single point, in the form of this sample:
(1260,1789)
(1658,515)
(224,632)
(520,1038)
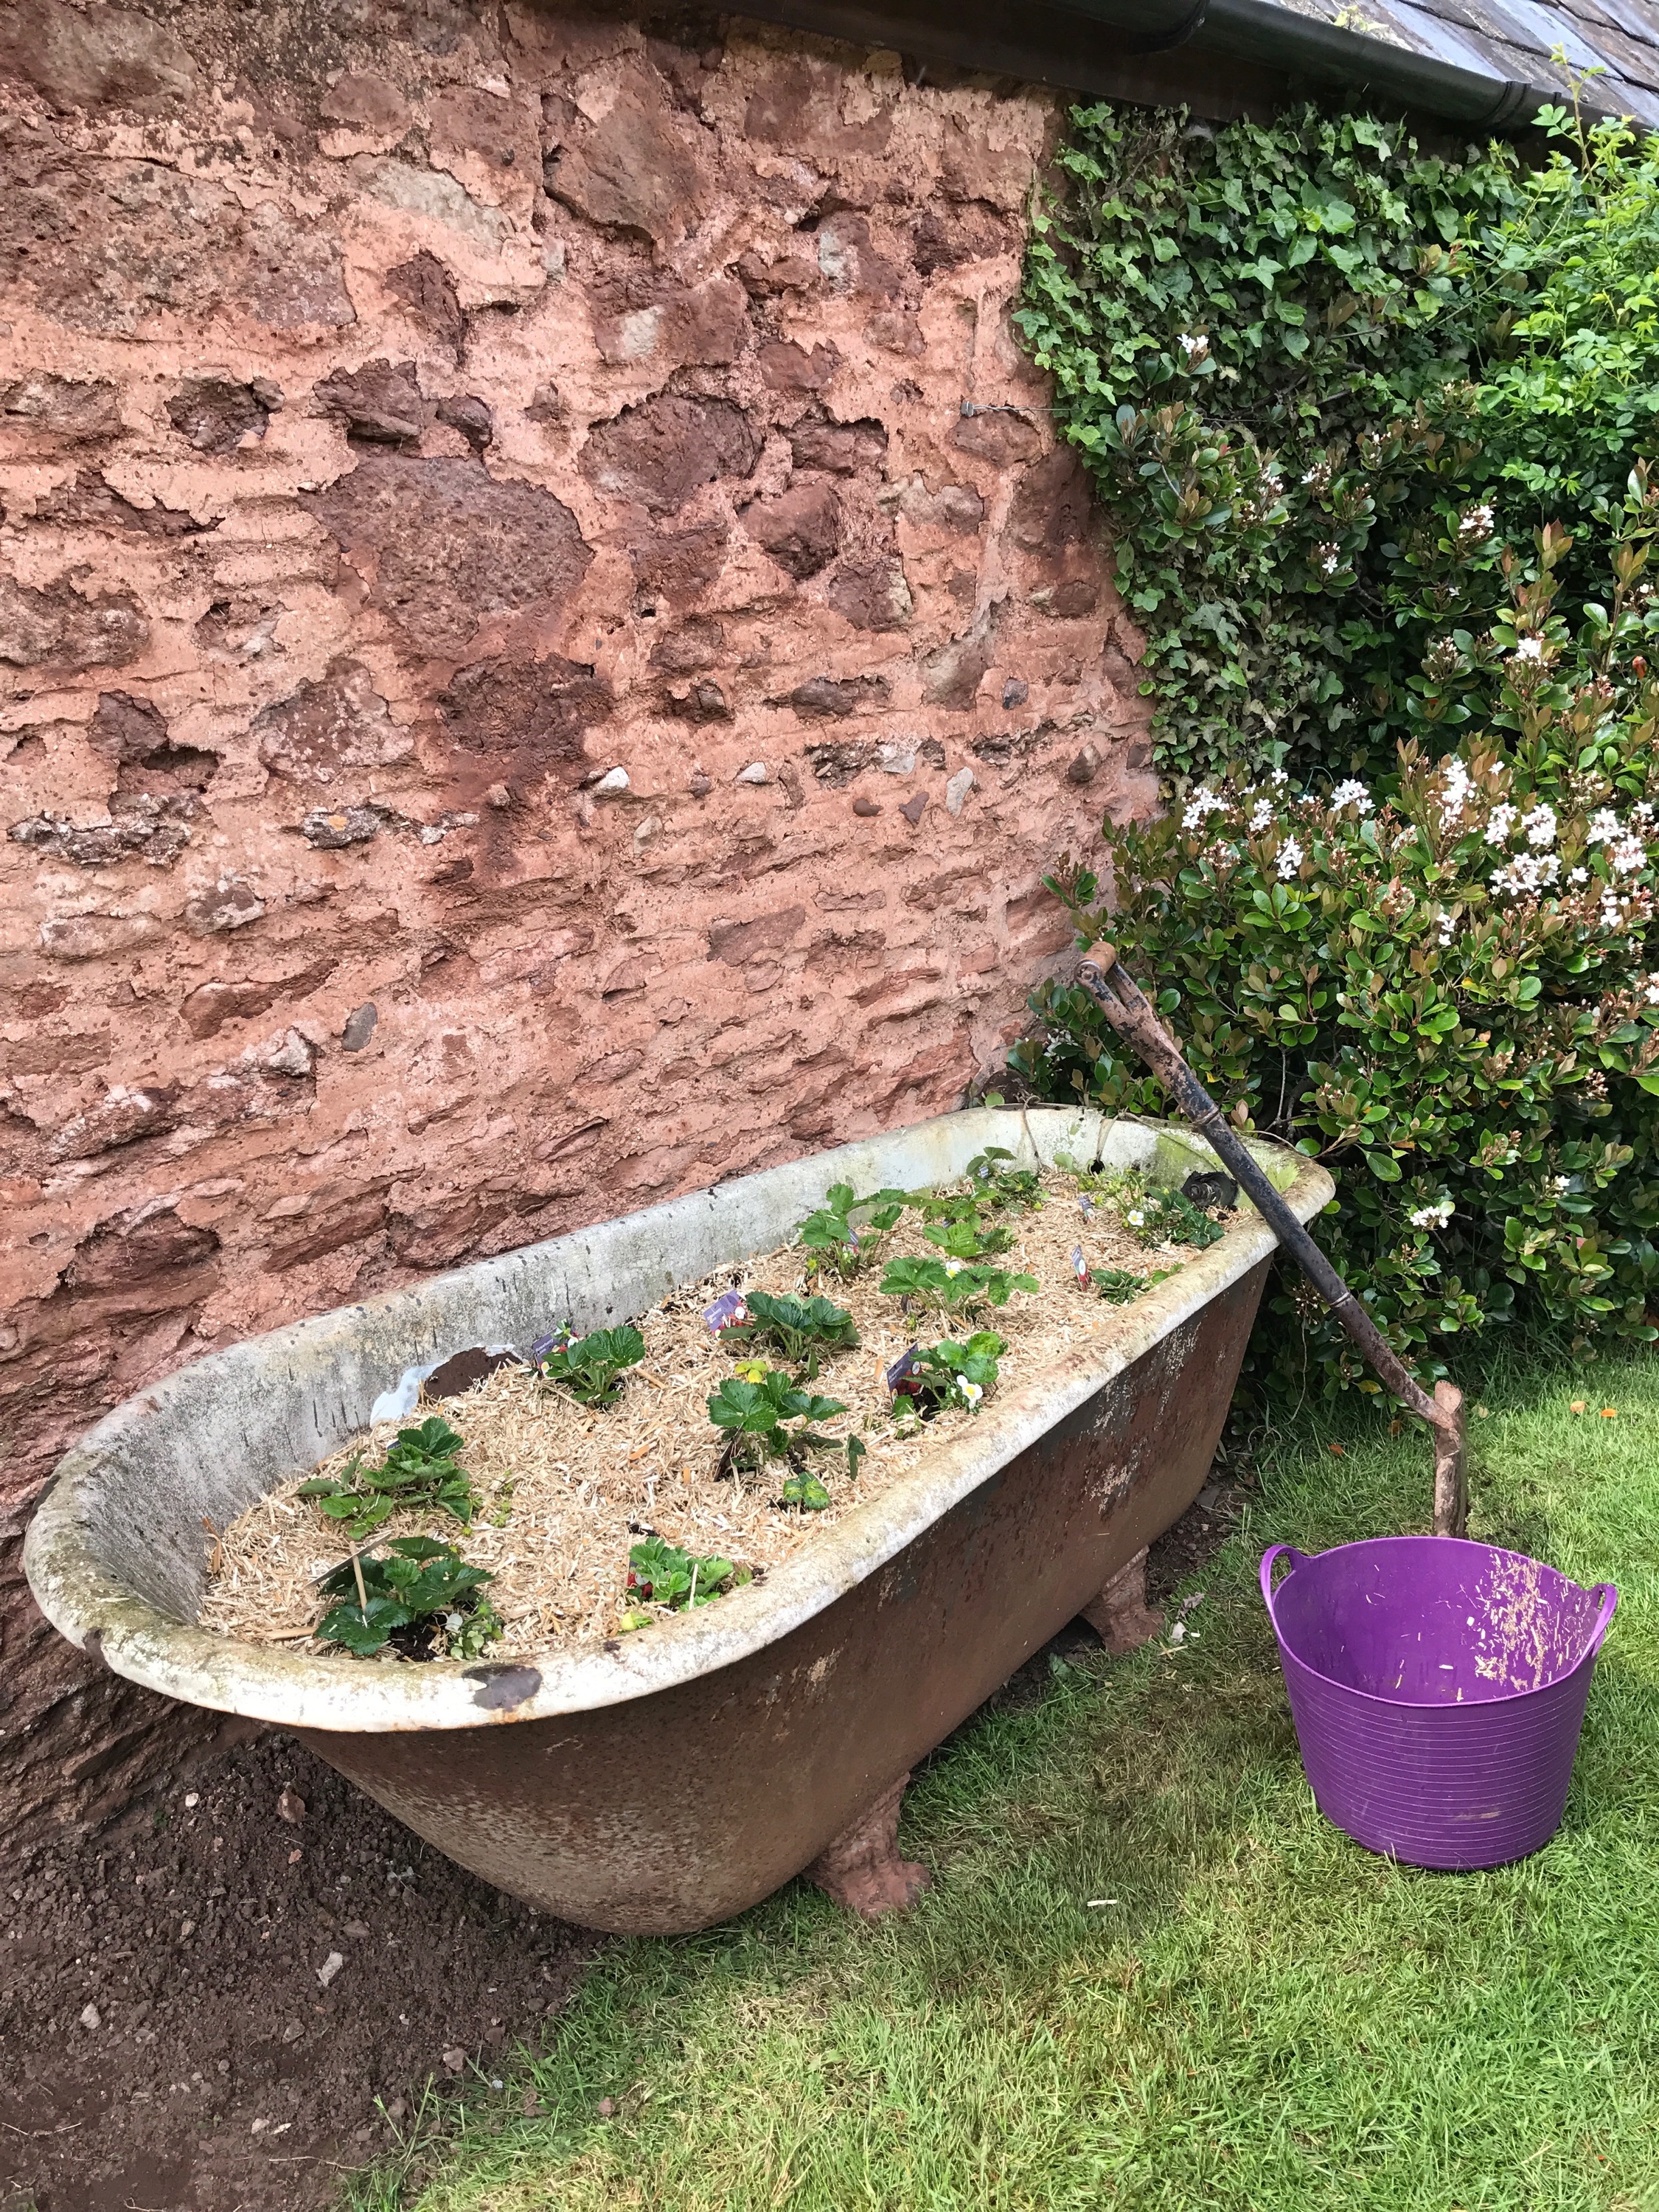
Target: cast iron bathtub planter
(677,1776)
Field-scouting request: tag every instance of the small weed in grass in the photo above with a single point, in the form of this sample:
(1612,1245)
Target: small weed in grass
(420,1470)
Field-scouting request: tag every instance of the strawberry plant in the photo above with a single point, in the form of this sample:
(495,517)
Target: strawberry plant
(802,1490)
(590,1368)
(837,1242)
(1097,1179)
(963,1239)
(1001,1187)
(947,1206)
(419,1596)
(1153,1214)
(952,1286)
(1161,1214)
(948,1374)
(769,1416)
(800,1328)
(419,1472)
(660,1573)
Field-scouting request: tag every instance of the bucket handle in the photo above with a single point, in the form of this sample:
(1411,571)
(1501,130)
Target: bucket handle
(1609,1597)
(1270,1559)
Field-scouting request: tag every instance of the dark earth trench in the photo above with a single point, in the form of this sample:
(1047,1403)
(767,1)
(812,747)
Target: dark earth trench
(258,1981)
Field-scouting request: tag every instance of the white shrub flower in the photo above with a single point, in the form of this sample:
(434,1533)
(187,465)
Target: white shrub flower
(1291,857)
(1432,1217)
(1527,872)
(1529,648)
(1627,855)
(1577,875)
(1203,802)
(1456,785)
(1500,822)
(1262,816)
(1539,825)
(1352,793)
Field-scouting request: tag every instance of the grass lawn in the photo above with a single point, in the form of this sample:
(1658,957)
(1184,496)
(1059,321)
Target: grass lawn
(1261,2015)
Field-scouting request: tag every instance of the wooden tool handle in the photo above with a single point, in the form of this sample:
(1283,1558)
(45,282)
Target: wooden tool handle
(1126,1007)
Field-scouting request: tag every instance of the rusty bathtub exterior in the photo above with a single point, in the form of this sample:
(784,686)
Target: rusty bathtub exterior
(679,1775)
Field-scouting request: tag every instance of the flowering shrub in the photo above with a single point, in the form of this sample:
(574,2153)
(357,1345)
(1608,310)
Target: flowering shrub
(1332,389)
(1445,992)
(1329,386)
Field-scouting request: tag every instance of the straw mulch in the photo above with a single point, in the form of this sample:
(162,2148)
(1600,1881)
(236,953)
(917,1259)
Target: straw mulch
(566,1490)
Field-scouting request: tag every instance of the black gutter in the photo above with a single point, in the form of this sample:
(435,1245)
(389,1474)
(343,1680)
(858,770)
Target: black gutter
(1308,47)
(1003,37)
(1222,56)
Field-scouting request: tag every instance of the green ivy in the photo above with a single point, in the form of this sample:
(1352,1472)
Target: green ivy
(1331,386)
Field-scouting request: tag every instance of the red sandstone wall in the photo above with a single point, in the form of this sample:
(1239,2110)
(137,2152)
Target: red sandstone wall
(525,693)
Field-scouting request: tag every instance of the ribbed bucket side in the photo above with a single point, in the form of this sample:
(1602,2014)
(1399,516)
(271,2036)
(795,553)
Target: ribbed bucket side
(1449,1785)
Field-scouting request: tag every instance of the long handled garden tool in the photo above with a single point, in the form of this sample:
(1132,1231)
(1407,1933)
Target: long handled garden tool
(1125,1006)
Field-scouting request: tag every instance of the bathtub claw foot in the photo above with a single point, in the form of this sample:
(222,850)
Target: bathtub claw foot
(862,1869)
(1121,1614)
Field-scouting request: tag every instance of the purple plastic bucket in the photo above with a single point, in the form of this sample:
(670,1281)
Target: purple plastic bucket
(1438,1688)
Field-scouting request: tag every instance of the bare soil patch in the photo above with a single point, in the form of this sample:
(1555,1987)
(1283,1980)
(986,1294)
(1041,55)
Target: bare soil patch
(224,2075)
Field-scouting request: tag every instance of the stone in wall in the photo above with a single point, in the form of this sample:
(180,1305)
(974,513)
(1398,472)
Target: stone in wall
(544,649)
